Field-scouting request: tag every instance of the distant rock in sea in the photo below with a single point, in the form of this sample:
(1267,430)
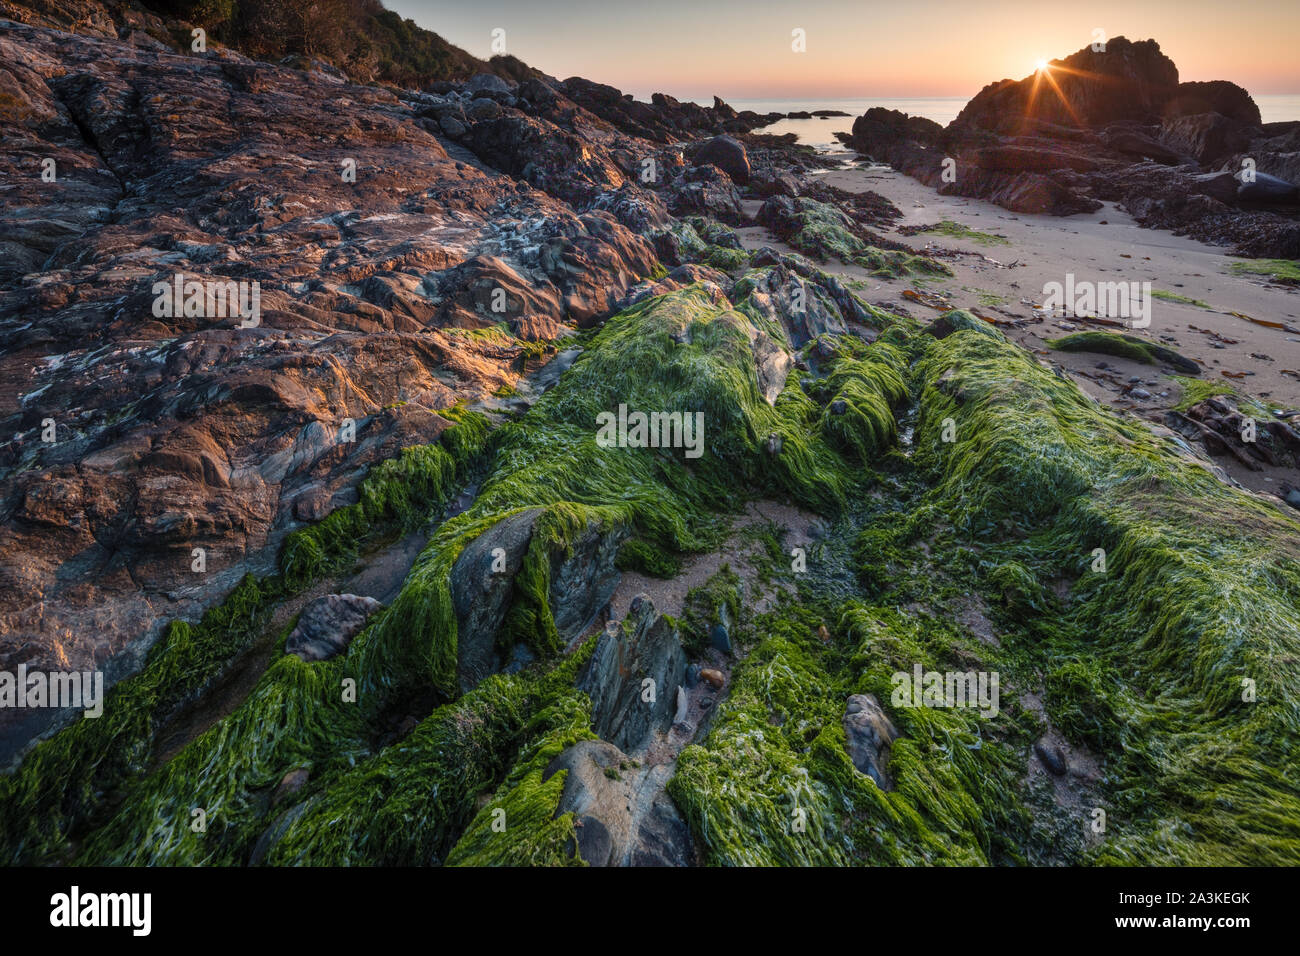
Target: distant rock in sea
(1111,125)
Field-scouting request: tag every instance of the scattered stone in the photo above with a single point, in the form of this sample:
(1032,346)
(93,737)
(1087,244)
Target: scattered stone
(712,677)
(1052,757)
(452,127)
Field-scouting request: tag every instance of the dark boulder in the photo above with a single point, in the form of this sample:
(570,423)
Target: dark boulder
(705,191)
(1263,188)
(1052,757)
(1216,96)
(486,84)
(879,131)
(1091,89)
(728,155)
(582,578)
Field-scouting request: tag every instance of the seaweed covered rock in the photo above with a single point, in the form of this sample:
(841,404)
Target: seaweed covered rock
(859,418)
(1125,346)
(783,300)
(1147,659)
(622,816)
(959,320)
(501,578)
(824,232)
(328,624)
(774,782)
(633,676)
(1227,428)
(482,586)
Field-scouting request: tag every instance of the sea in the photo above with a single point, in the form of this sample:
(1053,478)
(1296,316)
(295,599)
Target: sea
(943,110)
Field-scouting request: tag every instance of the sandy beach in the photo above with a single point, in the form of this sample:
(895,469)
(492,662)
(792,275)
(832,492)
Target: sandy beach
(1001,275)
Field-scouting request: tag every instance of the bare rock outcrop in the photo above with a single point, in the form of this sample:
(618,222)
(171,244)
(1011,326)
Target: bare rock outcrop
(633,676)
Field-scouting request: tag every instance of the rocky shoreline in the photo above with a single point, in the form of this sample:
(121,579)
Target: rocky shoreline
(375,294)
(1117,126)
(361,575)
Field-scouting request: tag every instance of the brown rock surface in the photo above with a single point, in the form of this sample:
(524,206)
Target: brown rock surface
(176,433)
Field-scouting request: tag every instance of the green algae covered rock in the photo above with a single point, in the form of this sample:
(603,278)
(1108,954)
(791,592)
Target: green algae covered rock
(1099,585)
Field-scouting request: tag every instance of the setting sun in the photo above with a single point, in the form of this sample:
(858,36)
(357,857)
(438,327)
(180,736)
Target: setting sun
(1040,65)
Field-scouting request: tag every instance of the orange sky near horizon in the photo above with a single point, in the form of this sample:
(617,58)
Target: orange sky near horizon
(742,48)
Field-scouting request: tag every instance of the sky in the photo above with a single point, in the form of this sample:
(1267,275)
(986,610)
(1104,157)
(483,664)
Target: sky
(742,49)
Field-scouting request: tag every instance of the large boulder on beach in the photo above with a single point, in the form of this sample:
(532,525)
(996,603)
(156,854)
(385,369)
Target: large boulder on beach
(1263,188)
(728,155)
(1216,96)
(879,130)
(1126,81)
